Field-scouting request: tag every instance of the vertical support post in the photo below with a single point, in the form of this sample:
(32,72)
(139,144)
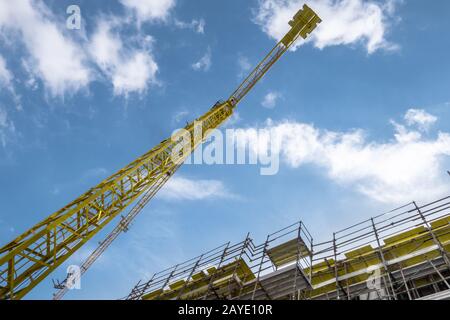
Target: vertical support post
(55,245)
(435,239)
(405,282)
(144,288)
(336,274)
(347,283)
(380,251)
(311,259)
(294,289)
(238,264)
(133,292)
(414,289)
(168,278)
(247,246)
(260,266)
(211,280)
(434,283)
(48,244)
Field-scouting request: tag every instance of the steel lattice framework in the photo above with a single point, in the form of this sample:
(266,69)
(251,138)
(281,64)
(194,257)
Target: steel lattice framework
(123,226)
(31,257)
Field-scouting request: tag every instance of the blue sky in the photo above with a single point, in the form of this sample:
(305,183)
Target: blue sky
(362,108)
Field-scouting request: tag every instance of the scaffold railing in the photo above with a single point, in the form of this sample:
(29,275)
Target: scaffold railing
(391,244)
(237,271)
(402,254)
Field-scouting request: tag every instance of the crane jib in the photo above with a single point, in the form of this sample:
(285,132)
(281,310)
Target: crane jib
(31,257)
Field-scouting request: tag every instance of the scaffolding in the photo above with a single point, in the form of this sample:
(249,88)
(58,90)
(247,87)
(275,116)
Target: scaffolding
(398,255)
(271,270)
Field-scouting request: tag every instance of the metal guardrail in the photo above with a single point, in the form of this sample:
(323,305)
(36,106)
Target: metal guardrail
(284,265)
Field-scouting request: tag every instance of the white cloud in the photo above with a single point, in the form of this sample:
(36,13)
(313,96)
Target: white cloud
(408,167)
(345,22)
(3,118)
(6,81)
(180,188)
(150,10)
(270,100)
(54,58)
(65,65)
(198,25)
(420,118)
(129,69)
(32,83)
(105,46)
(7,128)
(204,64)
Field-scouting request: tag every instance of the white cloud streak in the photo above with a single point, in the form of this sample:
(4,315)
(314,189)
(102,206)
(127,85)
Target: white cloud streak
(65,65)
(149,10)
(135,74)
(205,62)
(53,57)
(197,25)
(421,118)
(5,75)
(180,188)
(179,115)
(129,69)
(244,66)
(345,22)
(408,167)
(7,128)
(270,100)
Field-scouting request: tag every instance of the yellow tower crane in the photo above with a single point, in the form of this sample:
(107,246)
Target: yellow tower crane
(31,257)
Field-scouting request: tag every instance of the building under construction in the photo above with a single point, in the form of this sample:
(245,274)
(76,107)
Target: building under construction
(399,255)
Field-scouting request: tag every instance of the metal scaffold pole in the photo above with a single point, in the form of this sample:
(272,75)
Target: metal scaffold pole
(395,243)
(435,239)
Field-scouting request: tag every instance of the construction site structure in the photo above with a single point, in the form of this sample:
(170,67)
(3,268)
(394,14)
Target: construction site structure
(399,255)
(32,256)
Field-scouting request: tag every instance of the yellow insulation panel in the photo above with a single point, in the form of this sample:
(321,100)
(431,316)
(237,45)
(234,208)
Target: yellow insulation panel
(444,222)
(359,252)
(288,252)
(198,285)
(405,236)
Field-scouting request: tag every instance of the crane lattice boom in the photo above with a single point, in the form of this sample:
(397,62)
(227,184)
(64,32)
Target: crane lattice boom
(123,226)
(32,256)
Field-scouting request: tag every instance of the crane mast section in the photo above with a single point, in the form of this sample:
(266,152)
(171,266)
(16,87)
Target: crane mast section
(32,256)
